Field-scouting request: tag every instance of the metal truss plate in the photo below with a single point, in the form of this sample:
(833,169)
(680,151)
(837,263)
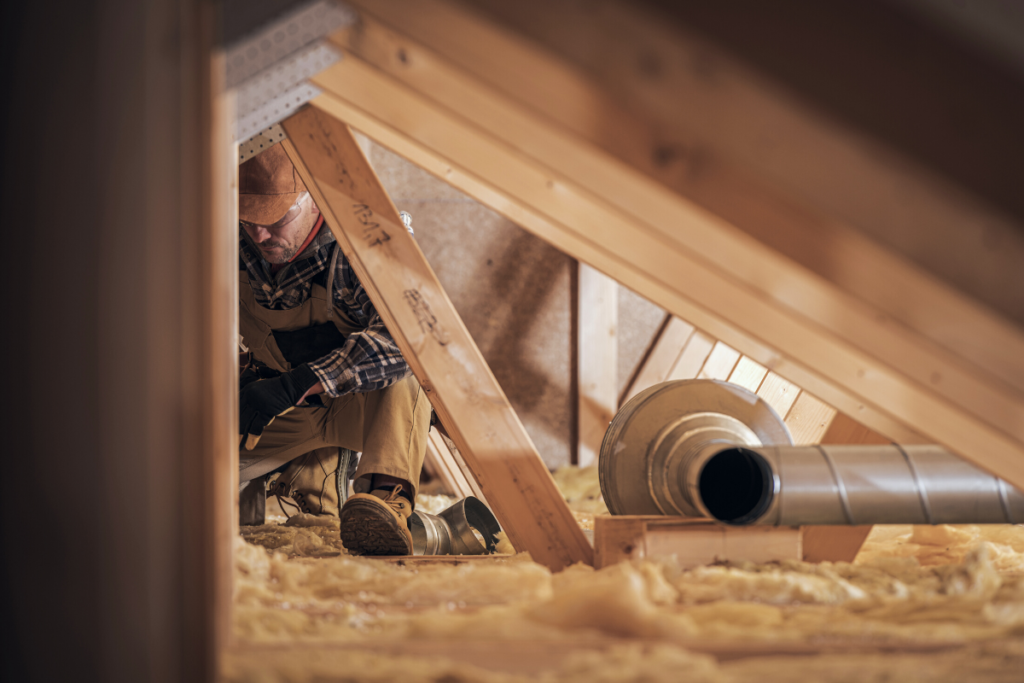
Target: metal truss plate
(285,75)
(266,138)
(275,110)
(283,37)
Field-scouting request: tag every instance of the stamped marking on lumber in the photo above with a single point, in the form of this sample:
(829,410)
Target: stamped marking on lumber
(373,232)
(428,321)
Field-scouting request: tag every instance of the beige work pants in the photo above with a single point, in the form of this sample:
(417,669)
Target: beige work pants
(388,426)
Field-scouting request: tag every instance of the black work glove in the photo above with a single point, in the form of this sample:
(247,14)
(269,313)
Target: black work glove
(263,400)
(255,371)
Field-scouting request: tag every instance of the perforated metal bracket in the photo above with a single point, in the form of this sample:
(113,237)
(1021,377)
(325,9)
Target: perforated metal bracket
(284,36)
(268,137)
(269,68)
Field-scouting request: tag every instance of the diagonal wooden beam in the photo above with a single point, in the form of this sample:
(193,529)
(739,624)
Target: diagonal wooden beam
(690,262)
(434,340)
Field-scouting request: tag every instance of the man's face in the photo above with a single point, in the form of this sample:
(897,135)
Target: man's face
(280,241)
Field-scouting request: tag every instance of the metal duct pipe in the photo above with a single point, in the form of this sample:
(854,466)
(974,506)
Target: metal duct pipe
(702,448)
(452,531)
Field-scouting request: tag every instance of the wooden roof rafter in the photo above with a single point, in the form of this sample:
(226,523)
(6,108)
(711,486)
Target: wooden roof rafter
(889,361)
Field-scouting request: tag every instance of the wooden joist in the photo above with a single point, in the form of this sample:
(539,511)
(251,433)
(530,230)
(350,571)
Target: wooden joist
(888,360)
(434,340)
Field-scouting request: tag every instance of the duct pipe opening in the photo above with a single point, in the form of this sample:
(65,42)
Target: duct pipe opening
(736,486)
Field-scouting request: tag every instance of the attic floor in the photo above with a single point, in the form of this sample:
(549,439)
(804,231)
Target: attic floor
(918,604)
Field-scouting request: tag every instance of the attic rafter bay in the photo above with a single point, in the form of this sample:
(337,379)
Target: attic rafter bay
(725,283)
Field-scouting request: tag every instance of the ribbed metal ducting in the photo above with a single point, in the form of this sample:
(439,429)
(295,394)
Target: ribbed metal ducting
(709,449)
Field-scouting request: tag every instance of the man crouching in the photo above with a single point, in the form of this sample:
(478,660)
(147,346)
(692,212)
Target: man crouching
(323,376)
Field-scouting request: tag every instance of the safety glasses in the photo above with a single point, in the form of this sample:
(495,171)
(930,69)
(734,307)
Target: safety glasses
(292,213)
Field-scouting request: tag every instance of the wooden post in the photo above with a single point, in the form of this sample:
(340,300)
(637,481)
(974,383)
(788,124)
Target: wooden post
(434,340)
(597,360)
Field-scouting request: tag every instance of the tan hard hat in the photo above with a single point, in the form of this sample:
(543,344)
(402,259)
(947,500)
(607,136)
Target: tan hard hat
(268,185)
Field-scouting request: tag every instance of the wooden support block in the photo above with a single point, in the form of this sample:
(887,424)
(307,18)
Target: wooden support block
(834,543)
(690,542)
(597,307)
(661,356)
(433,339)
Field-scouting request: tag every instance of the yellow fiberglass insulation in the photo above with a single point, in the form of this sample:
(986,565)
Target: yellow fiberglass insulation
(294,583)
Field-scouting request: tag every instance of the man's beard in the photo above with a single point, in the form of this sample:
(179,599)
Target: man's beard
(283,256)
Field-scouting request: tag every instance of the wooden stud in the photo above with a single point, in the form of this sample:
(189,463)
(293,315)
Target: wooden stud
(661,357)
(433,340)
(895,379)
(597,307)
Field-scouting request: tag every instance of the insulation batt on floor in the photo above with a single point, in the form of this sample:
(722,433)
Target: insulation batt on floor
(910,587)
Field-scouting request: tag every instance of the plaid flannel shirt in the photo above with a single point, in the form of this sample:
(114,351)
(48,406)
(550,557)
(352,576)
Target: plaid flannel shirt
(369,360)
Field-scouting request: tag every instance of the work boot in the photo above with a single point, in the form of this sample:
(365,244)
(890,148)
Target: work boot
(316,481)
(377,523)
